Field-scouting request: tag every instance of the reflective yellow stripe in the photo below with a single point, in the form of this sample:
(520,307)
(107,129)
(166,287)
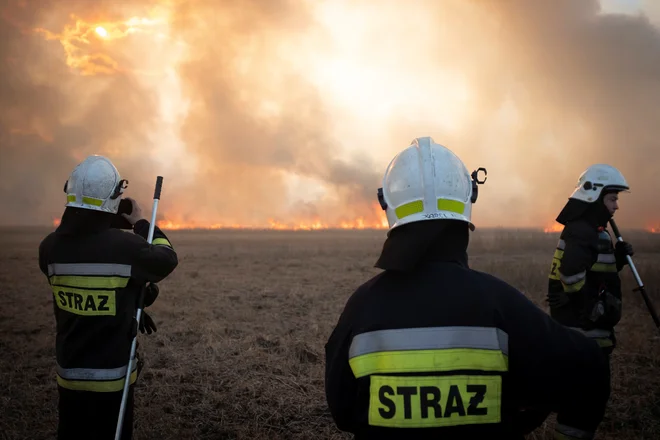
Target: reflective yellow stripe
(556,264)
(409,209)
(451,206)
(105,386)
(419,361)
(604,342)
(572,288)
(604,267)
(91,201)
(425,402)
(87,200)
(417,206)
(161,242)
(85,302)
(87,282)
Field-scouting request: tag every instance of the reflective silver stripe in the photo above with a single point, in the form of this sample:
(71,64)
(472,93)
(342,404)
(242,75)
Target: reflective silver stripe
(606,258)
(572,279)
(93,373)
(595,333)
(561,245)
(428,338)
(122,270)
(574,432)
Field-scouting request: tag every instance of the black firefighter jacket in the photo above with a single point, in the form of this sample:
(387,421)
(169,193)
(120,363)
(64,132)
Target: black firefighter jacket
(95,278)
(448,352)
(584,287)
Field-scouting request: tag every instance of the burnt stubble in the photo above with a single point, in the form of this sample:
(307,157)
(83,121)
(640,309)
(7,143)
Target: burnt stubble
(243,320)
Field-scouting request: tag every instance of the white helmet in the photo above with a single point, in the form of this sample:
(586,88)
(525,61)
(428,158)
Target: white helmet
(95,184)
(597,178)
(427,181)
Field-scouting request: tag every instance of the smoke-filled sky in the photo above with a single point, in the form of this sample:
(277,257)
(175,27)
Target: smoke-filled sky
(289,111)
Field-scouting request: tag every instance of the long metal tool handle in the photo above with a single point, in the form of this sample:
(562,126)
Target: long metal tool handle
(138,316)
(640,284)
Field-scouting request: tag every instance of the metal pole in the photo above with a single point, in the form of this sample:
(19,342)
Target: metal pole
(640,284)
(138,315)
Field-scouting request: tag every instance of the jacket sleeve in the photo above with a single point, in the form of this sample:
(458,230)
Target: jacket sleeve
(340,383)
(43,259)
(554,368)
(152,262)
(580,253)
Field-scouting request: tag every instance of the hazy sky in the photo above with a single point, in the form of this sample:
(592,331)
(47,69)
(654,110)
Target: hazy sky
(290,111)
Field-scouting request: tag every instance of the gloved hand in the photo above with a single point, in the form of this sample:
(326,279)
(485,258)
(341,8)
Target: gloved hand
(557,299)
(150,294)
(146,323)
(606,310)
(624,248)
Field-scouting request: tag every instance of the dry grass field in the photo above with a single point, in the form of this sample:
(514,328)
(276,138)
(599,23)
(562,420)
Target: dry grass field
(243,320)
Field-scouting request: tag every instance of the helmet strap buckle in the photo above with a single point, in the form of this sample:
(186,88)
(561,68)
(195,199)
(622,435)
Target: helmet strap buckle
(119,189)
(476,182)
(381,199)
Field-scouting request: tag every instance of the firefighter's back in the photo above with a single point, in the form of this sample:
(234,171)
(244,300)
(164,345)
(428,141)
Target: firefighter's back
(429,352)
(94,302)
(433,349)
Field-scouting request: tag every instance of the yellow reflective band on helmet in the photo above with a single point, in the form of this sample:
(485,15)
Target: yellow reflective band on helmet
(105,386)
(161,242)
(409,208)
(88,200)
(85,302)
(451,206)
(431,402)
(89,282)
(418,206)
(421,361)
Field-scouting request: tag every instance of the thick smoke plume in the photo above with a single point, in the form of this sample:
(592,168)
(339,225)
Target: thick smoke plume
(288,112)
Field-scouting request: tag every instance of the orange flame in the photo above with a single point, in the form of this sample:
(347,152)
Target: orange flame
(83,41)
(654,229)
(553,227)
(56,222)
(376,221)
(311,225)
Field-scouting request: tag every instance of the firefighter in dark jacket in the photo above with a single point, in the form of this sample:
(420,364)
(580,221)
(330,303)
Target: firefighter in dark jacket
(431,348)
(96,272)
(584,288)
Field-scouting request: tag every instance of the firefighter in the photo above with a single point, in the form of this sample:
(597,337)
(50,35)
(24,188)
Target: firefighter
(430,348)
(584,288)
(95,272)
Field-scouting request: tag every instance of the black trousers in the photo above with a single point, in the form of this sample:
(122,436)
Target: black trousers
(92,415)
